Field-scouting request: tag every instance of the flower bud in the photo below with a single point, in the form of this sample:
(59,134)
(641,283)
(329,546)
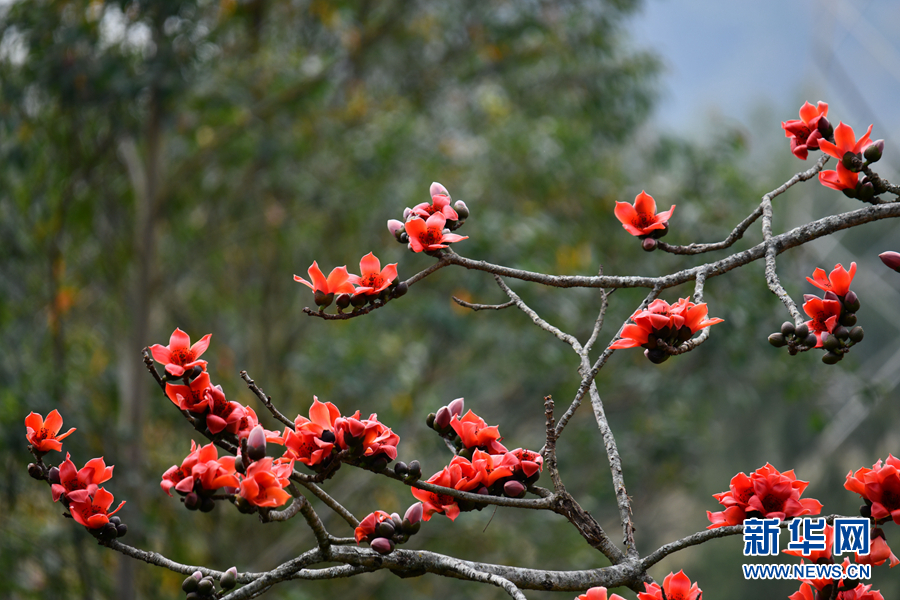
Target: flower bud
(36,472)
(108,532)
(256,443)
(395,227)
(192,501)
(865,511)
(514,489)
(865,191)
(404,238)
(847,320)
(438,189)
(656,356)
(787,328)
(239,465)
(358,300)
(851,301)
(442,419)
(891,260)
(406,213)
(830,358)
(810,340)
(456,407)
(849,192)
(873,153)
(121,530)
(413,514)
(400,289)
(461,209)
(379,464)
(401,469)
(207,504)
(829,295)
(825,128)
(205,586)
(648,244)
(777,340)
(115,520)
(384,529)
(342,301)
(190,584)
(850,162)
(415,470)
(830,342)
(801,331)
(841,333)
(322,299)
(328,437)
(382,545)
(229,578)
(856,334)
(429,420)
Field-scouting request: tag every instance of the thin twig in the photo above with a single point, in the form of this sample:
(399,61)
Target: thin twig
(330,502)
(477,307)
(549,450)
(536,319)
(266,400)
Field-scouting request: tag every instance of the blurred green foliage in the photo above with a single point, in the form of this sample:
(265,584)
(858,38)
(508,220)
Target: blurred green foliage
(170,164)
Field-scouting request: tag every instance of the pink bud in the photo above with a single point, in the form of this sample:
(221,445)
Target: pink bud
(395,227)
(406,212)
(442,418)
(891,259)
(437,189)
(256,443)
(414,513)
(456,407)
(513,488)
(382,545)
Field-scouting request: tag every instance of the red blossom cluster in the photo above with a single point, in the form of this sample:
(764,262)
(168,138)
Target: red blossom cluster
(482,465)
(814,132)
(373,283)
(315,441)
(427,226)
(383,531)
(662,328)
(879,488)
(765,494)
(76,489)
(816,589)
(676,586)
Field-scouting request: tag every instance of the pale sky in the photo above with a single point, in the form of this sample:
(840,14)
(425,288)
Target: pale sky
(728,58)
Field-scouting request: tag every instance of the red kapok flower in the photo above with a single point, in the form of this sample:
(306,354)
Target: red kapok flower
(825,315)
(860,592)
(845,141)
(879,553)
(804,133)
(640,218)
(77,485)
(179,355)
(336,283)
(460,475)
(193,397)
(367,526)
(766,492)
(879,485)
(373,278)
(222,415)
(838,282)
(677,586)
(672,324)
(263,484)
(475,433)
(43,435)
(440,203)
(202,465)
(425,236)
(92,511)
(308,442)
(598,593)
(491,467)
(526,461)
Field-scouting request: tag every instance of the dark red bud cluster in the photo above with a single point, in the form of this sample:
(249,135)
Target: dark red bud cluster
(384,532)
(796,338)
(199,587)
